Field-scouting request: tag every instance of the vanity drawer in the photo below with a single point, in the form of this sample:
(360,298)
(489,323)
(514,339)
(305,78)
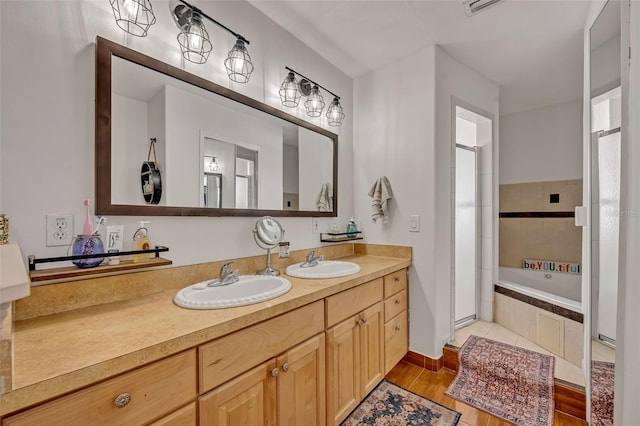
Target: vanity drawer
(396,343)
(231,355)
(349,302)
(395,304)
(395,282)
(154,390)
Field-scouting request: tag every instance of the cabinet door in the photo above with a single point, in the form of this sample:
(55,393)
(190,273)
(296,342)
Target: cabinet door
(301,384)
(247,400)
(343,372)
(371,323)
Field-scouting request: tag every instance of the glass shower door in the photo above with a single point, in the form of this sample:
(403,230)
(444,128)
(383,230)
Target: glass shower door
(609,231)
(466,226)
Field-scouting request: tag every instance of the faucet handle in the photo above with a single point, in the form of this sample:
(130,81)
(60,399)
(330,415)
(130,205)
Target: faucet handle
(311,255)
(226,268)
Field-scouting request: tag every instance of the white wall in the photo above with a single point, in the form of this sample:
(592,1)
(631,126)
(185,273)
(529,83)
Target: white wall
(458,84)
(395,136)
(544,144)
(47,80)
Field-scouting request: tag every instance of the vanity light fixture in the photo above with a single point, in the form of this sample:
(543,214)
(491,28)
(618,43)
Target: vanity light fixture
(292,90)
(193,37)
(238,62)
(289,93)
(314,103)
(196,45)
(335,114)
(133,16)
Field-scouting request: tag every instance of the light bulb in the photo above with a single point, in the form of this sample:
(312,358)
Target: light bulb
(131,8)
(195,37)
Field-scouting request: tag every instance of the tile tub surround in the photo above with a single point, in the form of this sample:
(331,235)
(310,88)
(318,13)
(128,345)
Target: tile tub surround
(549,238)
(555,333)
(133,329)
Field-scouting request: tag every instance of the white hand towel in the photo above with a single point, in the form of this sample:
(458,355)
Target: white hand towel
(324,202)
(381,194)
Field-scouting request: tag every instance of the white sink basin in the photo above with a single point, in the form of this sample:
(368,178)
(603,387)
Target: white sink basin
(324,269)
(248,290)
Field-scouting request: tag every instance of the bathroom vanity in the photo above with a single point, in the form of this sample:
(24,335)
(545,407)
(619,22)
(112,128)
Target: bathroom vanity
(307,357)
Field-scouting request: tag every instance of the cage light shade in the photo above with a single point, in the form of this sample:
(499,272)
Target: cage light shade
(335,114)
(133,16)
(289,93)
(194,40)
(314,103)
(238,63)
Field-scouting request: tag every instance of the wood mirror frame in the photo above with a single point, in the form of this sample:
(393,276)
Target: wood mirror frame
(105,50)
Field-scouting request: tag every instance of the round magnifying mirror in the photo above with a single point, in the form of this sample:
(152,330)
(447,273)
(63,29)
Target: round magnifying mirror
(268,234)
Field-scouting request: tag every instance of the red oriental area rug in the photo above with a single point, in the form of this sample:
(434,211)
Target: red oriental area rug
(602,384)
(506,381)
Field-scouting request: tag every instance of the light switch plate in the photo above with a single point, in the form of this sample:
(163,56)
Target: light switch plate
(414,223)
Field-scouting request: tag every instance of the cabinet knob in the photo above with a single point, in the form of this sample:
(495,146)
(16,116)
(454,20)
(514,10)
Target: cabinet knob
(285,367)
(396,328)
(397,301)
(122,400)
(396,279)
(274,372)
(362,321)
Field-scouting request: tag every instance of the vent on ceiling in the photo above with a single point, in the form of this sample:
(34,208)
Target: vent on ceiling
(471,7)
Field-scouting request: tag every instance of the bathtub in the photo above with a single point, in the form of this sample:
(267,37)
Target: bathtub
(560,289)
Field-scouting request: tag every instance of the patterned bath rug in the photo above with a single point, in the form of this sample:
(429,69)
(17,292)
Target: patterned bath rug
(391,405)
(506,381)
(602,384)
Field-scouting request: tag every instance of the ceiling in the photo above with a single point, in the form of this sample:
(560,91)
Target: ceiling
(532,48)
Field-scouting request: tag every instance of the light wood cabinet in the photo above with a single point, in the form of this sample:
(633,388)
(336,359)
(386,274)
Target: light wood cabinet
(246,400)
(227,357)
(355,361)
(395,340)
(134,398)
(186,416)
(287,390)
(396,326)
(301,384)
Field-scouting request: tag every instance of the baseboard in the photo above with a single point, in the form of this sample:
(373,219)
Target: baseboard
(423,361)
(568,398)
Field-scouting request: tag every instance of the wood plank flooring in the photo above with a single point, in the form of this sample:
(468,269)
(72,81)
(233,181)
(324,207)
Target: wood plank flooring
(432,385)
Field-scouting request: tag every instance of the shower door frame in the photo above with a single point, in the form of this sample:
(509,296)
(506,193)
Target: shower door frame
(478,247)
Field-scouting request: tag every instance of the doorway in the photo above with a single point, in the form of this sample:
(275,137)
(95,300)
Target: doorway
(472,132)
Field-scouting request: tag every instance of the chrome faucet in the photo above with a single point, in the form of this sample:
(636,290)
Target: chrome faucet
(311,260)
(226,276)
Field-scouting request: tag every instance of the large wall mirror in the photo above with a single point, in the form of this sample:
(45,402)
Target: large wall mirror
(606,108)
(219,153)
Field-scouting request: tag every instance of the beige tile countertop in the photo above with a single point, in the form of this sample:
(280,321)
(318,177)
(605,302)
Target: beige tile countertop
(61,352)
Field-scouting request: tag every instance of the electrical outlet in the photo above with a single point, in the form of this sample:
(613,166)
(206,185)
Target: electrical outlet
(315,225)
(59,229)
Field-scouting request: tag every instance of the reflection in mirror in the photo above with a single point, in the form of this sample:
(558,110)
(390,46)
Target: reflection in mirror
(266,161)
(605,126)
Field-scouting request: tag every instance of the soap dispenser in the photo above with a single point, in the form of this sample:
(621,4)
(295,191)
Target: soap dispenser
(352,228)
(141,241)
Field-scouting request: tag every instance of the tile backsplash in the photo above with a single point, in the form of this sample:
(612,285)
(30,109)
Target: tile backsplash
(534,237)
